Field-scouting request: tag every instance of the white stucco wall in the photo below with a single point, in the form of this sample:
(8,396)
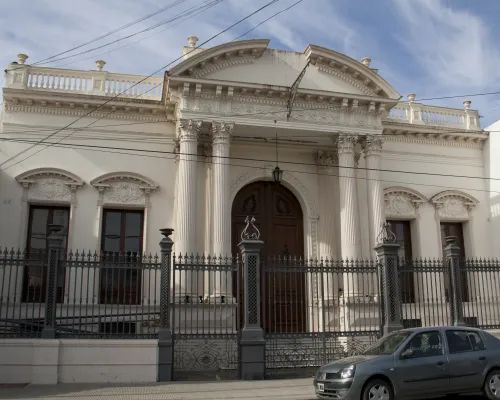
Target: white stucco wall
(88,164)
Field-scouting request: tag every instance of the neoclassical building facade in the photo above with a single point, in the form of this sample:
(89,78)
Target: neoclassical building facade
(195,150)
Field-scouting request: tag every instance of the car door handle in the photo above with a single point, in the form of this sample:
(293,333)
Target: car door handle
(440,363)
(482,358)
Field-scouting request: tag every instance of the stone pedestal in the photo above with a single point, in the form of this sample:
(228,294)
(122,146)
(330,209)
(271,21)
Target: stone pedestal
(252,342)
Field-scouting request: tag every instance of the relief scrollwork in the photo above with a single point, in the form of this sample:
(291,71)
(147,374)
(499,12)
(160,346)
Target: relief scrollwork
(402,202)
(50,184)
(454,205)
(124,188)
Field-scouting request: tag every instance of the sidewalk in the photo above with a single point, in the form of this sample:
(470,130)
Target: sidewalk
(296,389)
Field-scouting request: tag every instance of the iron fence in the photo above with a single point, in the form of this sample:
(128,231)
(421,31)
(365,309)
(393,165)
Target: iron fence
(205,317)
(314,311)
(97,295)
(427,285)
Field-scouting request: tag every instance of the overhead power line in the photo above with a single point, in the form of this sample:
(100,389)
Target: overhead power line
(204,7)
(171,156)
(171,5)
(194,14)
(135,84)
(419,173)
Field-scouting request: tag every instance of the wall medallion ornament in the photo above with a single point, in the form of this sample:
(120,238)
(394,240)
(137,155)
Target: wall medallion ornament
(454,205)
(124,192)
(124,188)
(402,202)
(51,184)
(50,189)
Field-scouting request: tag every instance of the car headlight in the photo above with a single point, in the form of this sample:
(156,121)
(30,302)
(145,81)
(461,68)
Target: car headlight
(347,372)
(321,376)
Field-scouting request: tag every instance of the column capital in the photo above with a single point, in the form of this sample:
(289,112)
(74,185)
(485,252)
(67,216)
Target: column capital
(372,145)
(222,132)
(188,129)
(346,143)
(326,158)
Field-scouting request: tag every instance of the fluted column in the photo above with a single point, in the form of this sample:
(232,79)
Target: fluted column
(349,218)
(372,147)
(327,161)
(221,138)
(329,284)
(186,234)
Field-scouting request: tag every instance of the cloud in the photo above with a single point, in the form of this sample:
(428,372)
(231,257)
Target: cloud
(454,47)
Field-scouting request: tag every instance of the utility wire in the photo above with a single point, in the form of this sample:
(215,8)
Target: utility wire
(137,41)
(135,84)
(211,3)
(48,144)
(213,162)
(171,5)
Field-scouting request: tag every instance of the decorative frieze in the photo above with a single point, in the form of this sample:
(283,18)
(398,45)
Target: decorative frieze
(326,159)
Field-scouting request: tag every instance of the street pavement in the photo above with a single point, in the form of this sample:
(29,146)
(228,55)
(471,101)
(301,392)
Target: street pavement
(294,389)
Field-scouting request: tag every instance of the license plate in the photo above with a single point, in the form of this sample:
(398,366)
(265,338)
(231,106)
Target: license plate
(321,387)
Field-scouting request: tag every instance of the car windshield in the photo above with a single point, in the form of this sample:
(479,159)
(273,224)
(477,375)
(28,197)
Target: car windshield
(387,345)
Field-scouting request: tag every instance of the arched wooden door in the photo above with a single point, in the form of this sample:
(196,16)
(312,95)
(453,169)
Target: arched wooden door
(279,219)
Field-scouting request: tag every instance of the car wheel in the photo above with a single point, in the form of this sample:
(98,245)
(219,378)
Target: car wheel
(491,388)
(378,389)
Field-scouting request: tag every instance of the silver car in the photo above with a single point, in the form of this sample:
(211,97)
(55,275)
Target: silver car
(416,363)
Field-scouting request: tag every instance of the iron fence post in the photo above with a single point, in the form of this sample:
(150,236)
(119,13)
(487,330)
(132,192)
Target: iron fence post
(165,342)
(252,342)
(54,244)
(388,260)
(452,254)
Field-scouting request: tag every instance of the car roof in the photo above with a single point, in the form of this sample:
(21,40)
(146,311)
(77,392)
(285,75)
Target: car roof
(427,328)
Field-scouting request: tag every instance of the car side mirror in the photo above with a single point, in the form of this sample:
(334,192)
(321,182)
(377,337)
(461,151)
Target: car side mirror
(407,353)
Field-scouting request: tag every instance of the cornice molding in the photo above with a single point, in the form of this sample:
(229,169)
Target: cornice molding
(74,111)
(254,46)
(434,141)
(69,179)
(359,72)
(104,181)
(357,84)
(222,65)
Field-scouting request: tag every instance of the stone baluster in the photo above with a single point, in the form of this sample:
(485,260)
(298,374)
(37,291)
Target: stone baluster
(187,183)
(372,147)
(221,138)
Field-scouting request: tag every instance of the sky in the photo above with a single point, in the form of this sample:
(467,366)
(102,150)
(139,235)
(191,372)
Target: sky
(432,48)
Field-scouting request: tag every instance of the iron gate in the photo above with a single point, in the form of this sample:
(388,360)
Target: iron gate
(205,317)
(316,311)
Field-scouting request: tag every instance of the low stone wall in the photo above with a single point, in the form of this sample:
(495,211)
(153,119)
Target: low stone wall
(38,361)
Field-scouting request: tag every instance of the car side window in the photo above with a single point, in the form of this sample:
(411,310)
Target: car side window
(426,344)
(461,341)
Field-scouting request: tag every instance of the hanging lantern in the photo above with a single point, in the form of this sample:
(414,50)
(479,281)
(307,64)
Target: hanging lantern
(277,175)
